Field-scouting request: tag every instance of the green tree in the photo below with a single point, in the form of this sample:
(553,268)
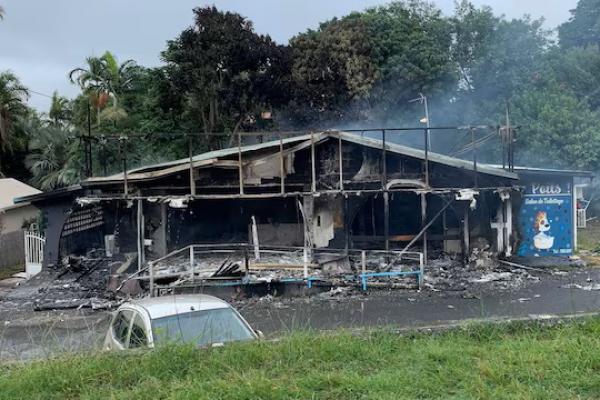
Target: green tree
(557,129)
(60,110)
(13,98)
(13,135)
(583,28)
(473,30)
(332,67)
(369,65)
(225,72)
(53,159)
(412,42)
(576,69)
(512,59)
(105,78)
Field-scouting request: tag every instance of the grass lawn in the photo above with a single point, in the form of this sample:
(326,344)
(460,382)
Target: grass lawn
(513,361)
(588,241)
(589,238)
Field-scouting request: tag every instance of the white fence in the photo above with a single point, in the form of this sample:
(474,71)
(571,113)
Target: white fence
(34,252)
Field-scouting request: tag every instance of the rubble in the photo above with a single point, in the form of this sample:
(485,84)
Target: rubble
(450,274)
(493,276)
(588,288)
(78,282)
(97,282)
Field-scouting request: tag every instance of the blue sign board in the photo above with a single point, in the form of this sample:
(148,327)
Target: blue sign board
(546,220)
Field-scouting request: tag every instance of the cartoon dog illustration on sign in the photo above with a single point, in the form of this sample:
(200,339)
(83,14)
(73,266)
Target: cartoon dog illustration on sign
(542,241)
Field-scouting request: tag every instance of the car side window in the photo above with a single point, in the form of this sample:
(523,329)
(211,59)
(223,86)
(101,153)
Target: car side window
(121,324)
(138,336)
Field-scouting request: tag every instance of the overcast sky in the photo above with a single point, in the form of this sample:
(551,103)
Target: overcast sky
(41,40)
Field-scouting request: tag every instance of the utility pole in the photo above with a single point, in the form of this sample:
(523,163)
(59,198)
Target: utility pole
(88,143)
(509,139)
(423,100)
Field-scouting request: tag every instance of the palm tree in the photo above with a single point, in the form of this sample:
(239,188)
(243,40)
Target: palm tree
(60,111)
(91,81)
(53,159)
(104,76)
(13,96)
(118,77)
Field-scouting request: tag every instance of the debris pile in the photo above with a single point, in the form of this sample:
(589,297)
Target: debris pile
(336,267)
(78,282)
(97,282)
(447,274)
(588,288)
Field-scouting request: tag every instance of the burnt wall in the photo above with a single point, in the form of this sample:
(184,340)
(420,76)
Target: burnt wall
(226,221)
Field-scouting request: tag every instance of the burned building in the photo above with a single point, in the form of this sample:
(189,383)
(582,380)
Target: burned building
(332,189)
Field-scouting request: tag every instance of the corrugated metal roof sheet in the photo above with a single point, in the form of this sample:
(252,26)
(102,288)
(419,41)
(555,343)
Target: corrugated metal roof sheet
(537,170)
(350,137)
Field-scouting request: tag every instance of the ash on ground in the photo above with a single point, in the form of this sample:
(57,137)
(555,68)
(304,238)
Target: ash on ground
(481,270)
(93,282)
(77,282)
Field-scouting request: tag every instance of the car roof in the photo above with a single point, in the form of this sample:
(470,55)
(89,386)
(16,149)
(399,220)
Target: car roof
(158,307)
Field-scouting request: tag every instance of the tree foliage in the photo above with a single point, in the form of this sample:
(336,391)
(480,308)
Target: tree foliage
(53,159)
(13,97)
(60,110)
(13,113)
(358,70)
(225,72)
(583,28)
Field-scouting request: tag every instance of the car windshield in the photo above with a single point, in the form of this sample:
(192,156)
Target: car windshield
(201,327)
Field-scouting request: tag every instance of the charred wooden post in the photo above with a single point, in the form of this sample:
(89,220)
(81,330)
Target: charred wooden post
(508,220)
(191,155)
(192,262)
(474,147)
(151,273)
(159,237)
(255,242)
(363,261)
(305,262)
(386,195)
(123,149)
(281,164)
(240,166)
(386,219)
(424,225)
(383,161)
(140,234)
(426,166)
(313,169)
(307,209)
(246,261)
(341,161)
(347,221)
(466,242)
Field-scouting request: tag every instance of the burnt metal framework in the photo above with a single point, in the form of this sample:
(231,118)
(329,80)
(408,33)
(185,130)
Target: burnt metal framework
(506,133)
(507,156)
(414,264)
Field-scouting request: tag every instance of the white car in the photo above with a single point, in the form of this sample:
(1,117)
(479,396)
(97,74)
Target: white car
(199,319)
